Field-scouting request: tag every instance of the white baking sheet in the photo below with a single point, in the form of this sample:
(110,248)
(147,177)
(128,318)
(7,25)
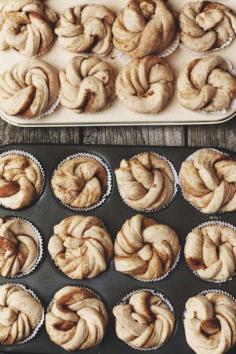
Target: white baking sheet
(118,114)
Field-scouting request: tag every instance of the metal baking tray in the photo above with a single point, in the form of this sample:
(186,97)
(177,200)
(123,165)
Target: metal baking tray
(111,285)
(118,114)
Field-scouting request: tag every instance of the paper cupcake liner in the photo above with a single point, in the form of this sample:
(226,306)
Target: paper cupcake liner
(175,188)
(40,248)
(164,299)
(36,330)
(108,191)
(201,226)
(43,179)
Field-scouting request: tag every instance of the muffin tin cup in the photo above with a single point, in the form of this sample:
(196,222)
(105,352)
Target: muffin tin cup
(109,187)
(175,188)
(40,249)
(43,179)
(36,330)
(165,300)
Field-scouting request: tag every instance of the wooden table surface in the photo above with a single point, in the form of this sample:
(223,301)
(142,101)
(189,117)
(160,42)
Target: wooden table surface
(214,135)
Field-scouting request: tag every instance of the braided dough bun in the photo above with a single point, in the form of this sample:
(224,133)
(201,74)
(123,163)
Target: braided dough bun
(86,28)
(206,84)
(211,251)
(208,181)
(145,182)
(80,182)
(28,89)
(81,246)
(210,323)
(21,181)
(145,249)
(145,321)
(144,27)
(206,25)
(19,247)
(146,85)
(20,314)
(87,85)
(26,26)
(77,319)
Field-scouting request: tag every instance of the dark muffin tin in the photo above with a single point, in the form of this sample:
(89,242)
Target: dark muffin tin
(111,285)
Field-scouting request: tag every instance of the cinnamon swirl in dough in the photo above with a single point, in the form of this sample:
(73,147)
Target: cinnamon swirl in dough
(146,85)
(144,27)
(145,321)
(87,85)
(145,182)
(206,85)
(77,319)
(81,246)
(210,323)
(86,28)
(28,89)
(145,249)
(205,25)
(208,181)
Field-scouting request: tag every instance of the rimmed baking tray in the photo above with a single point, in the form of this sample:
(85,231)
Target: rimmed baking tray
(111,285)
(118,114)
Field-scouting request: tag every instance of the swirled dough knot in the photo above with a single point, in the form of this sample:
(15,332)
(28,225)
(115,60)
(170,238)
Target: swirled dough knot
(81,246)
(21,181)
(144,27)
(29,88)
(208,181)
(146,85)
(20,314)
(207,84)
(87,84)
(145,249)
(86,29)
(145,321)
(77,319)
(210,323)
(206,25)
(145,182)
(27,26)
(80,182)
(19,247)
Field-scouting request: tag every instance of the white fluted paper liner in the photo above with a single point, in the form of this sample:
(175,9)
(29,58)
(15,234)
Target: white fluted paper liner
(109,187)
(201,226)
(36,330)
(34,159)
(40,247)
(164,299)
(175,186)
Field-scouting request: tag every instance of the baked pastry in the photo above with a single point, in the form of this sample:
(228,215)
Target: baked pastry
(144,321)
(206,85)
(208,181)
(77,319)
(21,181)
(28,89)
(27,26)
(144,27)
(87,85)
(86,28)
(146,85)
(146,181)
(211,251)
(210,323)
(81,246)
(145,249)
(80,182)
(206,25)
(19,247)
(20,314)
